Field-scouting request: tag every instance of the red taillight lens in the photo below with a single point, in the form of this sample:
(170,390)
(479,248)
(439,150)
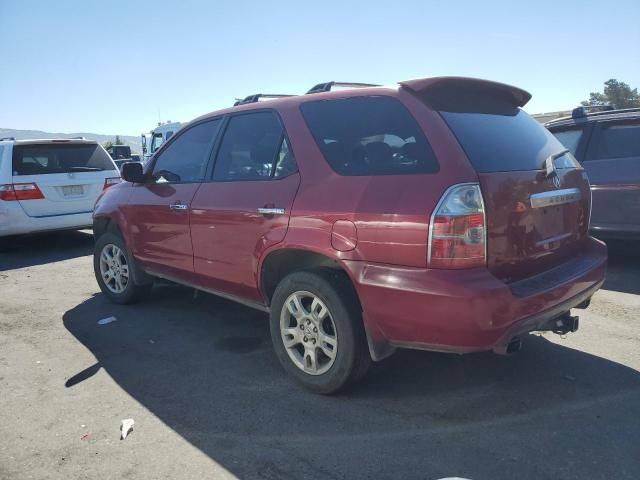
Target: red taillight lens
(457,233)
(20,191)
(108,182)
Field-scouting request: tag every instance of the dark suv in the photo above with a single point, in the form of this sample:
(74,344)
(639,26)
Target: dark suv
(434,214)
(607,144)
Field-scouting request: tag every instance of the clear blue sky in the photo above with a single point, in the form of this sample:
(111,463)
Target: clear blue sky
(111,66)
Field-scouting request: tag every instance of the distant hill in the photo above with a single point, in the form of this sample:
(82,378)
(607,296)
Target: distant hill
(133,142)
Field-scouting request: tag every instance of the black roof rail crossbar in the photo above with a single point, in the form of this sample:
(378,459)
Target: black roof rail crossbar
(582,111)
(257,96)
(327,86)
(7,138)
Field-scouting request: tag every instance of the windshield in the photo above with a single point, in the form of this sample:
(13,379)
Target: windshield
(59,158)
(156,141)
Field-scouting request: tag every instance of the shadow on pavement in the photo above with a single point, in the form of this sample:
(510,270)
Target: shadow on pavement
(623,271)
(31,250)
(205,367)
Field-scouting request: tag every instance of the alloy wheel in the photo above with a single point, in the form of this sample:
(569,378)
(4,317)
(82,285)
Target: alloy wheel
(308,333)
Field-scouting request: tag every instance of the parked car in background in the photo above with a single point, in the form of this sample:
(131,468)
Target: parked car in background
(435,214)
(607,144)
(50,184)
(122,154)
(156,137)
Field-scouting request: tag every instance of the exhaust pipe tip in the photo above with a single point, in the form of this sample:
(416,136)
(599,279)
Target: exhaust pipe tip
(514,345)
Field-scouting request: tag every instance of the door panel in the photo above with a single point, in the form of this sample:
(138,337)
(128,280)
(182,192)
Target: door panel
(158,211)
(229,233)
(613,167)
(159,232)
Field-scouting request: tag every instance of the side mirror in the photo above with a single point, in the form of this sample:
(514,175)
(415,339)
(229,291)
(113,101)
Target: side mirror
(132,172)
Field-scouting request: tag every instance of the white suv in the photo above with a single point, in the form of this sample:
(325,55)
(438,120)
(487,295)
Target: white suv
(51,184)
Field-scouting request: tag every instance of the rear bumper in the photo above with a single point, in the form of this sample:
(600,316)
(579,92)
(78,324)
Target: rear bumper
(466,310)
(14,221)
(616,232)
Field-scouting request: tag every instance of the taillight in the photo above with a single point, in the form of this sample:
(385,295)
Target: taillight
(457,233)
(108,182)
(20,191)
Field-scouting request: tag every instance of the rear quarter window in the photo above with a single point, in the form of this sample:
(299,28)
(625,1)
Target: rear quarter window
(620,140)
(499,137)
(60,158)
(369,135)
(570,138)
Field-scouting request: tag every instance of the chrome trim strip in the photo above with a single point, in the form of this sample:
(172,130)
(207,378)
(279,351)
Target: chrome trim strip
(217,293)
(555,197)
(271,211)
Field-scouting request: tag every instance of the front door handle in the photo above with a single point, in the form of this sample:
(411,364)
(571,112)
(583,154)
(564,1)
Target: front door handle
(178,206)
(271,211)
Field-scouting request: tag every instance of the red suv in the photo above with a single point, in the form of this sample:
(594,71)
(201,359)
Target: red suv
(434,214)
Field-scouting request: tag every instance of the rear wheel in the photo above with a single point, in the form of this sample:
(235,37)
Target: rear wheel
(114,270)
(316,329)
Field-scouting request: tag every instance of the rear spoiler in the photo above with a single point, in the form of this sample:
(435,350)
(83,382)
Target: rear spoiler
(432,88)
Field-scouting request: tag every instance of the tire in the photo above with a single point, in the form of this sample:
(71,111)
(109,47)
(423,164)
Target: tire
(123,292)
(330,367)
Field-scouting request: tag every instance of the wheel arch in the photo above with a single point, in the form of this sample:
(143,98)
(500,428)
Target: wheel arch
(279,263)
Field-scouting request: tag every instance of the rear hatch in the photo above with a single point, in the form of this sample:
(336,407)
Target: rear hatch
(537,198)
(70,174)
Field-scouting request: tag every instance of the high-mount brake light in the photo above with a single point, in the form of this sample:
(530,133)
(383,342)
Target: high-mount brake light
(457,232)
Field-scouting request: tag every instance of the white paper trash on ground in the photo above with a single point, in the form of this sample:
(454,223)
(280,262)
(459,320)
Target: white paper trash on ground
(126,427)
(104,321)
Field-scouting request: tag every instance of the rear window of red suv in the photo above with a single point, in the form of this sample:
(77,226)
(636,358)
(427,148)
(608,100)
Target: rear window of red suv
(499,137)
(369,135)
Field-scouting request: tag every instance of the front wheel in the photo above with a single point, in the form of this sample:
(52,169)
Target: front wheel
(317,332)
(113,270)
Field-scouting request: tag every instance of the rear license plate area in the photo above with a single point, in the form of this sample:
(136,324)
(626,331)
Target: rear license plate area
(72,190)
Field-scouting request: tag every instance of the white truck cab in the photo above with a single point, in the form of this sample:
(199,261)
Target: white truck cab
(152,141)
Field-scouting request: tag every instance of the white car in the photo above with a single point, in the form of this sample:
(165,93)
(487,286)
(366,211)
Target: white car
(51,184)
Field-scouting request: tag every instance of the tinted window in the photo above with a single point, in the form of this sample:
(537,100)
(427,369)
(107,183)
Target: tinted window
(570,138)
(185,159)
(60,158)
(369,136)
(251,145)
(619,141)
(499,137)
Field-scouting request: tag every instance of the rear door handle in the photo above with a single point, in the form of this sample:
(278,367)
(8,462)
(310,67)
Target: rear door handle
(178,206)
(271,211)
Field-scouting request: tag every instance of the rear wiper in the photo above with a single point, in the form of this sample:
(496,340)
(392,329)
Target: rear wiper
(548,163)
(86,169)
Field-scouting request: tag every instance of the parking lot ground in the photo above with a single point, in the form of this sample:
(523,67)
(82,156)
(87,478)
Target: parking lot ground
(209,399)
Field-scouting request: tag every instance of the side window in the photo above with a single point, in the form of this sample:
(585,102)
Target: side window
(253,148)
(620,140)
(285,164)
(185,160)
(570,138)
(373,135)
(168,135)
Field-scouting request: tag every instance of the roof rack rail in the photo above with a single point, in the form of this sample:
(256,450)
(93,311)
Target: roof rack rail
(582,111)
(327,86)
(7,138)
(257,96)
(77,138)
